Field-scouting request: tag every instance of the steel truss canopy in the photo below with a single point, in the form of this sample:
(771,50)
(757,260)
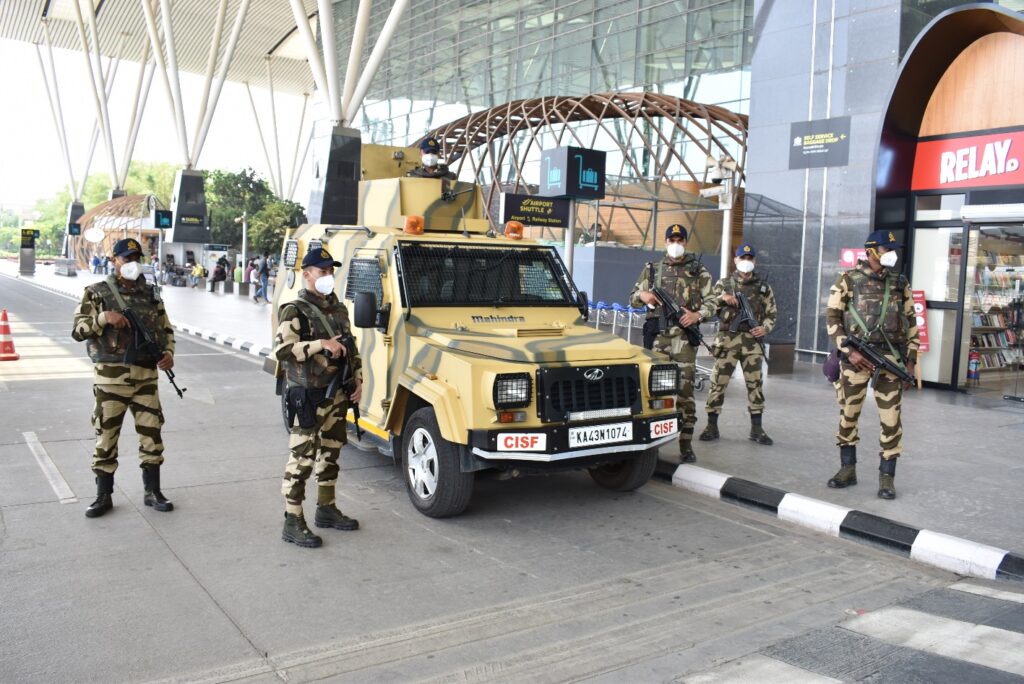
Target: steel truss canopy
(269,29)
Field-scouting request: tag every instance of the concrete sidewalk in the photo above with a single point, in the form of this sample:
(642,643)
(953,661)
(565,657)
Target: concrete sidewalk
(233,319)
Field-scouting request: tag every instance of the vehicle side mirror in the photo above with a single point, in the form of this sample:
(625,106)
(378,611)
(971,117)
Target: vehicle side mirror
(584,306)
(367,315)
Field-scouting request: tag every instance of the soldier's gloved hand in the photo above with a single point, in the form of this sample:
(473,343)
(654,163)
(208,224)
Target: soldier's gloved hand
(116,320)
(690,318)
(730,300)
(357,393)
(860,361)
(649,298)
(333,347)
(910,371)
(166,361)
(759,331)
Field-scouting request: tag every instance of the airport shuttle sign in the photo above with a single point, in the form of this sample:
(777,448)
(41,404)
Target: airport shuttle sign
(990,160)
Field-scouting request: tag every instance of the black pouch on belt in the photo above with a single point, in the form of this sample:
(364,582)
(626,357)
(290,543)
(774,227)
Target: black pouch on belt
(302,402)
(652,326)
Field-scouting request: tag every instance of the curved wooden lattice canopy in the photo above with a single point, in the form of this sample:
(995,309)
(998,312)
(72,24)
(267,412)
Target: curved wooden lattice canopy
(118,218)
(657,145)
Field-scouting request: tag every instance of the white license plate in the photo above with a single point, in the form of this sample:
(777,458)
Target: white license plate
(600,434)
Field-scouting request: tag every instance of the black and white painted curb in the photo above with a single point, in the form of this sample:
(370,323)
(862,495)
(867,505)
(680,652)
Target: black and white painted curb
(204,333)
(933,548)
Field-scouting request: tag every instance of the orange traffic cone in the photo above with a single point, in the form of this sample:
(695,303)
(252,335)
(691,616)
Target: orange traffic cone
(7,352)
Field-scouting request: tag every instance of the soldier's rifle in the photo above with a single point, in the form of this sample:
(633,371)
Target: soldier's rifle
(878,360)
(673,315)
(746,315)
(143,341)
(345,380)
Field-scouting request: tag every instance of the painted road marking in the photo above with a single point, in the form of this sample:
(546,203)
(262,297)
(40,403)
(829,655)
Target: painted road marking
(57,482)
(760,669)
(988,646)
(980,590)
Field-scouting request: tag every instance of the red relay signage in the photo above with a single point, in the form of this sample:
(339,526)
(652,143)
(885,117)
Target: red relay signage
(992,159)
(921,313)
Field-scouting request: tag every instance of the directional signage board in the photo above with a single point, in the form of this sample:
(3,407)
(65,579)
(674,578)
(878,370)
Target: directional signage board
(531,210)
(28,238)
(572,172)
(820,143)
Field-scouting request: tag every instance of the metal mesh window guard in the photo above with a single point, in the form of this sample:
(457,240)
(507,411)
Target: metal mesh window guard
(364,276)
(457,275)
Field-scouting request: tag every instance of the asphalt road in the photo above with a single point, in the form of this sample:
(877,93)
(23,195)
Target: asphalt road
(543,579)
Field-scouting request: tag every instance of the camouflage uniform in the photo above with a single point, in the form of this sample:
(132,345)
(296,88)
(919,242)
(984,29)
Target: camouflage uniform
(690,283)
(298,348)
(740,347)
(119,387)
(891,328)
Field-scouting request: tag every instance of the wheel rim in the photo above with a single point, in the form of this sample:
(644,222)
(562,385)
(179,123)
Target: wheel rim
(422,464)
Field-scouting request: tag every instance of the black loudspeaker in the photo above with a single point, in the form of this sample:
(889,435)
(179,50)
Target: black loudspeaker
(188,202)
(337,168)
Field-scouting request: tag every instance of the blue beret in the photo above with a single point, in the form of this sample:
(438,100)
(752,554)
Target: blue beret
(882,238)
(746,249)
(126,247)
(675,230)
(320,258)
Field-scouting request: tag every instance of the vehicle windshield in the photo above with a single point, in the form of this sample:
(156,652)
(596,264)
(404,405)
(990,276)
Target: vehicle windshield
(444,274)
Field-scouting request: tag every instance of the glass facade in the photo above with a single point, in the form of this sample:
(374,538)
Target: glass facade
(450,58)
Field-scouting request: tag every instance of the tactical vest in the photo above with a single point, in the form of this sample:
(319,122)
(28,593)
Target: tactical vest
(681,280)
(316,323)
(868,295)
(755,290)
(111,345)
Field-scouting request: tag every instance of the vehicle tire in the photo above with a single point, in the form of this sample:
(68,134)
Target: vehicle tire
(437,486)
(625,476)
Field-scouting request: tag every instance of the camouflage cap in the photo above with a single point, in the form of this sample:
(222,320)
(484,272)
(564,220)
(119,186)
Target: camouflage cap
(320,258)
(430,145)
(746,249)
(882,238)
(127,247)
(675,231)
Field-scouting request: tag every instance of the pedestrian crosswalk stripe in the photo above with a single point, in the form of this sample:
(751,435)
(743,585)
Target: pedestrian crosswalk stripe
(988,646)
(760,669)
(991,592)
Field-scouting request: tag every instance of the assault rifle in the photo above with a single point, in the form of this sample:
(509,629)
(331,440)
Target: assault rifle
(143,341)
(878,360)
(345,380)
(746,315)
(673,315)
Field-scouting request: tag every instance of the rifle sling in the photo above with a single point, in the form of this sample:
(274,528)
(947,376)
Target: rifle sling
(881,319)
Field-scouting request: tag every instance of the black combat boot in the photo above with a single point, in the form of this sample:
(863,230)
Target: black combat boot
(154,497)
(757,433)
(847,474)
(886,473)
(686,454)
(330,516)
(710,433)
(103,503)
(296,532)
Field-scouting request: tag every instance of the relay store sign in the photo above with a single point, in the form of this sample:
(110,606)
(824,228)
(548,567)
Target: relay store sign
(921,314)
(976,161)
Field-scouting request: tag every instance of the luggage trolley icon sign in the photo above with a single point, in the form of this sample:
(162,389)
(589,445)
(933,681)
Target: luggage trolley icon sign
(588,177)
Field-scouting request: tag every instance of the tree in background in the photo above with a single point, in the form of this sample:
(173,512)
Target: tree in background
(267,227)
(228,195)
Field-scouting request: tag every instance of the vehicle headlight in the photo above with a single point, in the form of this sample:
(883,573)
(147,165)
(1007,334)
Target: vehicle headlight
(513,390)
(663,379)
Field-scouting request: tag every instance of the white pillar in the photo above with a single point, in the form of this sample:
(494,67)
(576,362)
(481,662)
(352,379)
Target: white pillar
(273,123)
(298,141)
(145,80)
(312,53)
(99,102)
(161,68)
(172,65)
(326,11)
(372,64)
(570,236)
(263,144)
(111,74)
(58,121)
(725,204)
(355,55)
(211,65)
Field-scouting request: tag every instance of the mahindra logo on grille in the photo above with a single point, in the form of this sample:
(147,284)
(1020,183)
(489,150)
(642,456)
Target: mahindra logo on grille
(593,374)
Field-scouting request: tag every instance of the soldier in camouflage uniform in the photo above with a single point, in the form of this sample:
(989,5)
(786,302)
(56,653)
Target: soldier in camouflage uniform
(308,348)
(873,302)
(685,277)
(119,386)
(745,346)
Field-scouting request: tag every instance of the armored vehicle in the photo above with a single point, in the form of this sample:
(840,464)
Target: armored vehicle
(477,355)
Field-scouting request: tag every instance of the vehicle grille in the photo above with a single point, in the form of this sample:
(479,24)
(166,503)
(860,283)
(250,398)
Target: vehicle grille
(565,390)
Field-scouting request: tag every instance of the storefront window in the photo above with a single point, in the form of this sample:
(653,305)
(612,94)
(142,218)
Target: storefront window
(938,207)
(995,306)
(937,259)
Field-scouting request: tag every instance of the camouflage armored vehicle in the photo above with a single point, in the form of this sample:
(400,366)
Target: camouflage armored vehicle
(476,352)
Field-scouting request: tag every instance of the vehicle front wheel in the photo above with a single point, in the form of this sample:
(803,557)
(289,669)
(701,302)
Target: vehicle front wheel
(437,486)
(627,475)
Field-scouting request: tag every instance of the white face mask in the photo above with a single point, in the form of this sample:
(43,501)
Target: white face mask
(675,250)
(324,284)
(130,270)
(744,266)
(430,160)
(888,259)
